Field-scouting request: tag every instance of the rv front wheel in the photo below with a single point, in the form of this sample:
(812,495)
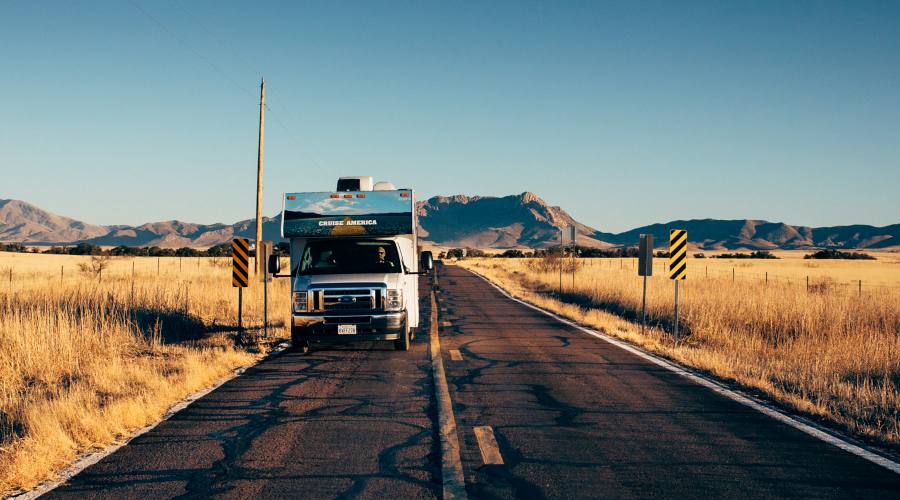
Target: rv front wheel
(402,344)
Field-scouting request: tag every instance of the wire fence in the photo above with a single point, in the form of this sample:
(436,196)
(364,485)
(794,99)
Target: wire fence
(819,281)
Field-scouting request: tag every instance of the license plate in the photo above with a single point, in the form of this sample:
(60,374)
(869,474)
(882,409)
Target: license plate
(346,329)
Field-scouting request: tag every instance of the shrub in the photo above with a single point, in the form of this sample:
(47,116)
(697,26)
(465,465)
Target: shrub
(95,266)
(512,253)
(837,254)
(85,249)
(759,254)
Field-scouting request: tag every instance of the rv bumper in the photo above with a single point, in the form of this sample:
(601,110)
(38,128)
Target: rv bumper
(380,326)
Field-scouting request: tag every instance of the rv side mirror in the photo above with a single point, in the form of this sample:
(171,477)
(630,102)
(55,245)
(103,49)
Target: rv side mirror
(274,264)
(426,261)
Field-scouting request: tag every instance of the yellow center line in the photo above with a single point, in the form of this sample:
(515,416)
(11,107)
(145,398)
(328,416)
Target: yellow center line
(487,443)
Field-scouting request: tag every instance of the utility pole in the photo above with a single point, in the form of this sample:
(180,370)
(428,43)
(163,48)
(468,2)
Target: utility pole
(259,173)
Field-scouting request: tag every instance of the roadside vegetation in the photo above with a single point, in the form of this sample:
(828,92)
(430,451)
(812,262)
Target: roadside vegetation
(829,351)
(837,254)
(93,348)
(759,254)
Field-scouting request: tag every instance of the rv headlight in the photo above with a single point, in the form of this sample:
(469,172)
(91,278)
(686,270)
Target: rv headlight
(393,301)
(299,302)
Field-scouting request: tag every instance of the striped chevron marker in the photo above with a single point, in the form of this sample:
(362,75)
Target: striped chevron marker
(677,254)
(240,251)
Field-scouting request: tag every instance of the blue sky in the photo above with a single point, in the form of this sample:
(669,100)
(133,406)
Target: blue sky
(624,113)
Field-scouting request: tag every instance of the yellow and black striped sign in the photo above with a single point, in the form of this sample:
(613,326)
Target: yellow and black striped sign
(240,269)
(677,254)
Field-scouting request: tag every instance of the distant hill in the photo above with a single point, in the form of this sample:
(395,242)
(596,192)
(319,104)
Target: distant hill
(712,234)
(23,222)
(516,221)
(522,220)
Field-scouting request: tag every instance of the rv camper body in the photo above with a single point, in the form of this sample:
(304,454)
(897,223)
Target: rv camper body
(353,266)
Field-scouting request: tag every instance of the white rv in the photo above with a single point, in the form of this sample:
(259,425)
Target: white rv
(354,272)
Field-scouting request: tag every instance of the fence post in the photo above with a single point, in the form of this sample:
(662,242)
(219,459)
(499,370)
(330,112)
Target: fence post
(767,277)
(732,275)
(60,274)
(157,266)
(860,288)
(807,283)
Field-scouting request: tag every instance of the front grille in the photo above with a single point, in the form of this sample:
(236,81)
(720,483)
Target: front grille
(347,299)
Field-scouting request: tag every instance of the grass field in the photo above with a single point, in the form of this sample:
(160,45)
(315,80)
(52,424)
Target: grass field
(87,359)
(832,352)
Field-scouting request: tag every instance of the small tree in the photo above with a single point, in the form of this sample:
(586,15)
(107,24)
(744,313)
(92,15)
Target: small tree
(95,266)
(455,253)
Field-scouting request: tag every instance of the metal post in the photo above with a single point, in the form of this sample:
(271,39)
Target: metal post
(157,266)
(676,312)
(807,283)
(573,269)
(732,275)
(240,309)
(132,282)
(560,261)
(767,277)
(179,265)
(644,308)
(860,288)
(60,274)
(266,308)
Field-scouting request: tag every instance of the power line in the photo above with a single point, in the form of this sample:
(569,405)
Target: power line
(218,69)
(186,45)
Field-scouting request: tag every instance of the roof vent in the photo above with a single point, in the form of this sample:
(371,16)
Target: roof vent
(357,183)
(384,186)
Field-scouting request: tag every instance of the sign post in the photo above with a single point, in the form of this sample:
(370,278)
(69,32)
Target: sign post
(573,231)
(265,277)
(645,268)
(677,264)
(240,272)
(560,261)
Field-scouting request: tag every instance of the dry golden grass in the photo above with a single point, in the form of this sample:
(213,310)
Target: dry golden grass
(84,362)
(831,353)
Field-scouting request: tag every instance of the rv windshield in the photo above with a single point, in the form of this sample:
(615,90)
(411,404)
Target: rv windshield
(350,257)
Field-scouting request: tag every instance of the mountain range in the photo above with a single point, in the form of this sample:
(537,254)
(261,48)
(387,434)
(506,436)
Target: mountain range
(516,221)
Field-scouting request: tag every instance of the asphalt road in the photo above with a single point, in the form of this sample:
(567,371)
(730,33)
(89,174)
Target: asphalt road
(571,416)
(349,421)
(575,416)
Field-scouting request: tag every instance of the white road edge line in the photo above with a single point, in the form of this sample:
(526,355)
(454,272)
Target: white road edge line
(487,444)
(88,460)
(454,482)
(715,386)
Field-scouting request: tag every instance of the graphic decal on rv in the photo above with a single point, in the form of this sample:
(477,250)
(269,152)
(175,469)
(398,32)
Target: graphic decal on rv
(378,213)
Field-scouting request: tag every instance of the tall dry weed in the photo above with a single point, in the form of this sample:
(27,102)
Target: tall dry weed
(83,363)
